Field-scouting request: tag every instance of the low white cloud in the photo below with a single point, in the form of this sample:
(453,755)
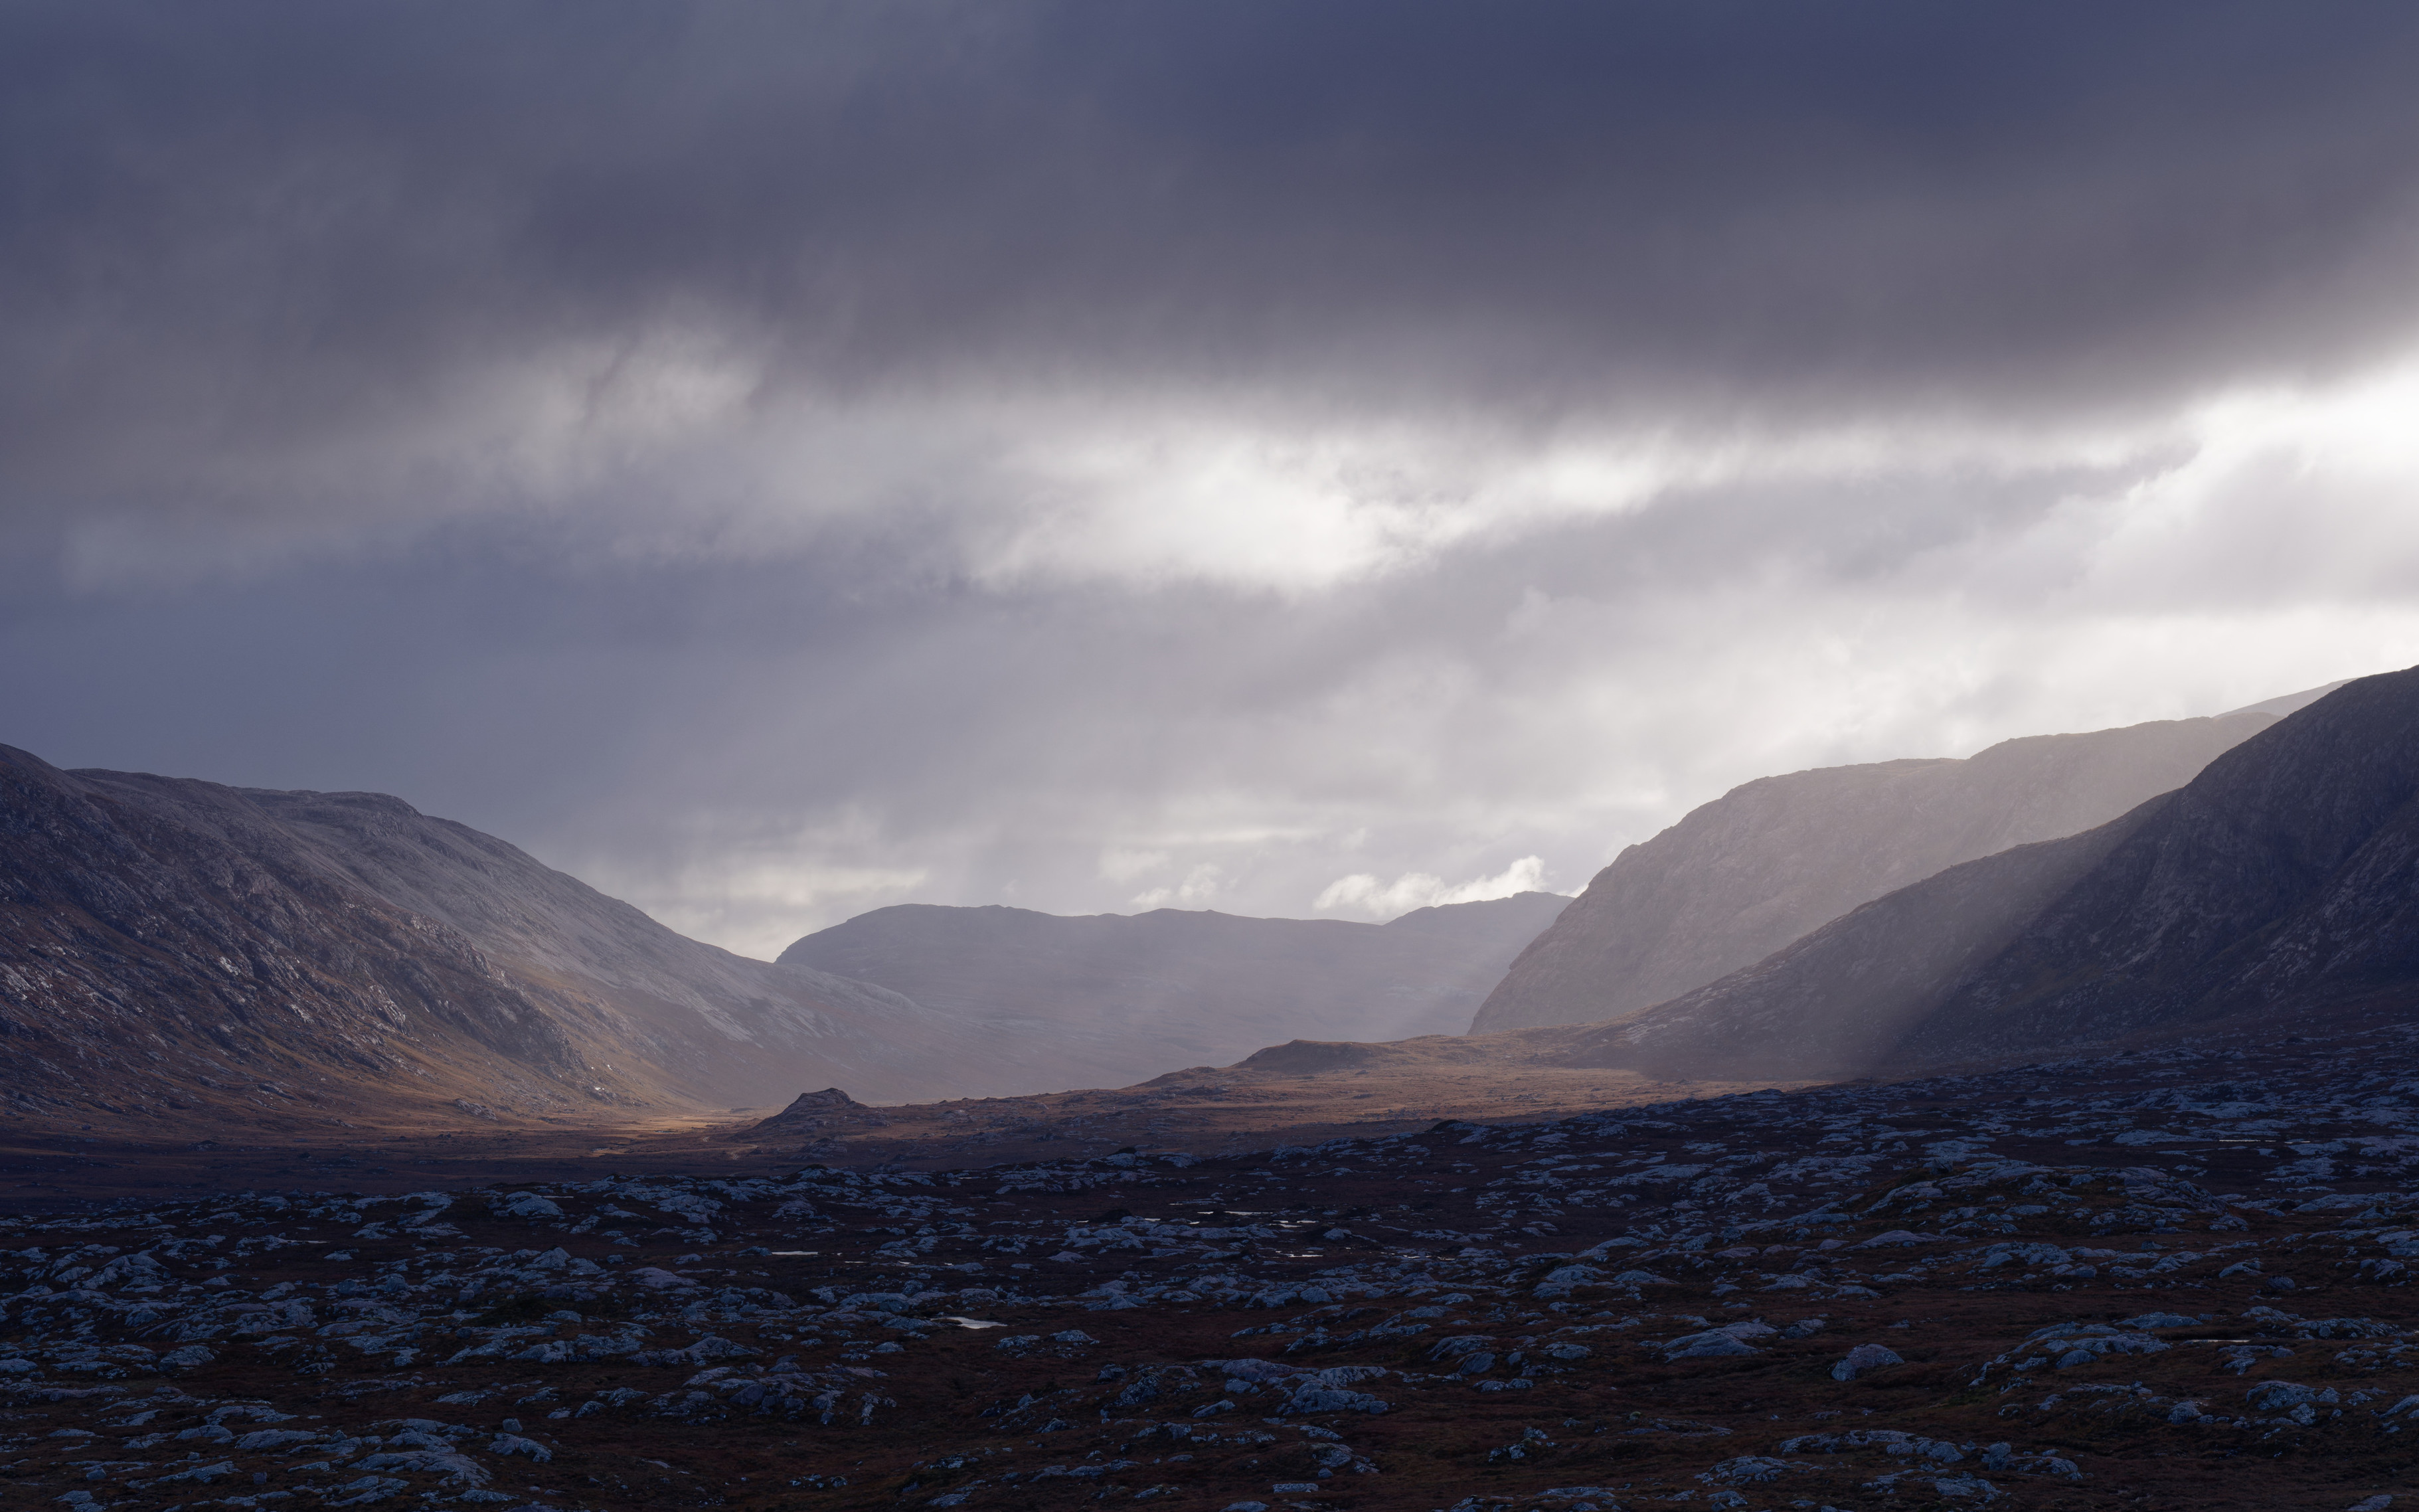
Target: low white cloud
(1363,893)
(1199,885)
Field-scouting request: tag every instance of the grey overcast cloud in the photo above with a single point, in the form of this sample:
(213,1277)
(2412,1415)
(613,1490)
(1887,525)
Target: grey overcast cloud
(779,460)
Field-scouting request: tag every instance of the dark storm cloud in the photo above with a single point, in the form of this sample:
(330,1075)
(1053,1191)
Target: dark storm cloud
(780,459)
(265,233)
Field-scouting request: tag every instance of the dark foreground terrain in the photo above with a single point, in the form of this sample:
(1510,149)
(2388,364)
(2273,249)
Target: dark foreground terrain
(2174,1278)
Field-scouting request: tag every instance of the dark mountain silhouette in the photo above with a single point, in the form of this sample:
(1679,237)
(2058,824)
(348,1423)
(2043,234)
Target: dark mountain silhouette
(169,945)
(1742,876)
(2282,879)
(1133,995)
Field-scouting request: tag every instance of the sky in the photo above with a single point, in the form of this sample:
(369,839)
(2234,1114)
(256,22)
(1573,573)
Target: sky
(776,461)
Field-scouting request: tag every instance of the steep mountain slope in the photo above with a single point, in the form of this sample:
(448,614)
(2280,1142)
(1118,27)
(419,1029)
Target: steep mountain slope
(170,946)
(2284,879)
(1136,996)
(1768,861)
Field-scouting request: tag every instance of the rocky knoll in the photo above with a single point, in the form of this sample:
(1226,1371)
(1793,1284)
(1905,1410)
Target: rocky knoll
(177,948)
(2284,879)
(1129,996)
(1770,861)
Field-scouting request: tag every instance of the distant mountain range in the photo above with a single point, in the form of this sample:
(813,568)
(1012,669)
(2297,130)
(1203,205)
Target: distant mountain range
(170,946)
(1135,996)
(179,950)
(2282,879)
(1774,859)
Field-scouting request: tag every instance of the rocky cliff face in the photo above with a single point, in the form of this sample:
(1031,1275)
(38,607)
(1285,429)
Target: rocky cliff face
(2284,879)
(174,946)
(1129,996)
(1741,877)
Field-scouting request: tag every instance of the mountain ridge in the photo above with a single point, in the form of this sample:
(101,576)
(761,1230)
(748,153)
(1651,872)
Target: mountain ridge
(1778,857)
(1143,993)
(347,942)
(2282,879)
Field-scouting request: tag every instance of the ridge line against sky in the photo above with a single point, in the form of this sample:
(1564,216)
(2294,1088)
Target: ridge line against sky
(773,461)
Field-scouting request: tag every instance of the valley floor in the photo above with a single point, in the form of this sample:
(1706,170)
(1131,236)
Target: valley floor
(2174,1278)
(1231,1109)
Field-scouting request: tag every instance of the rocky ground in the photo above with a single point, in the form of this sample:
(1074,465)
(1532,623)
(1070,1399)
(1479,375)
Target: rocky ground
(2173,1278)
